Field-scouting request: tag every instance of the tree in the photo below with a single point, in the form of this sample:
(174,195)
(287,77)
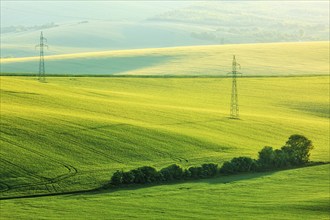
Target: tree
(172,172)
(298,149)
(128,177)
(150,174)
(281,159)
(239,164)
(195,172)
(209,169)
(244,164)
(117,178)
(139,176)
(227,168)
(186,174)
(266,158)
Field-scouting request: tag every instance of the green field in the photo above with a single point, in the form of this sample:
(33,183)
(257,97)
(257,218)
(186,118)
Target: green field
(305,58)
(71,133)
(82,129)
(292,194)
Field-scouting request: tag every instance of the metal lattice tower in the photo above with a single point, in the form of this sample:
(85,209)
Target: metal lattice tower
(41,45)
(234,109)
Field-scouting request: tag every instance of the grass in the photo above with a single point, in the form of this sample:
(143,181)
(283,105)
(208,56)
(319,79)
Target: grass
(83,129)
(292,194)
(72,133)
(307,58)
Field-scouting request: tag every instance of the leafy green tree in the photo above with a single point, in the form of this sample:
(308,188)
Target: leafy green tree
(128,177)
(196,172)
(138,176)
(117,178)
(239,164)
(227,168)
(150,174)
(172,172)
(244,164)
(298,149)
(209,169)
(186,174)
(281,159)
(266,158)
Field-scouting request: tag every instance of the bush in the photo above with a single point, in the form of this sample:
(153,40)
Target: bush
(139,176)
(117,178)
(295,152)
(239,164)
(227,168)
(186,174)
(266,158)
(172,172)
(128,177)
(281,159)
(196,172)
(298,149)
(209,169)
(150,174)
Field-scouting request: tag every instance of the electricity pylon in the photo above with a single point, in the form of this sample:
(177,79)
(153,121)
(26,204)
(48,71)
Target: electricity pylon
(234,109)
(41,45)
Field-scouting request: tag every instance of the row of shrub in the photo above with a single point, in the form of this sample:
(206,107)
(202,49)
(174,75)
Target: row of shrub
(173,172)
(294,153)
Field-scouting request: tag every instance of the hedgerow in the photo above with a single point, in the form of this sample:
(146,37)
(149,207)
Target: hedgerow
(295,152)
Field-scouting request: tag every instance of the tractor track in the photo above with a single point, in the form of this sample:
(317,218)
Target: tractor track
(47,182)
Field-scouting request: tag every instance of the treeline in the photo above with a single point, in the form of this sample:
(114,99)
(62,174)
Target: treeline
(173,172)
(295,152)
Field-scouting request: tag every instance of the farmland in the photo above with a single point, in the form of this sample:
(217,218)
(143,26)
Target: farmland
(71,133)
(276,59)
(87,127)
(292,194)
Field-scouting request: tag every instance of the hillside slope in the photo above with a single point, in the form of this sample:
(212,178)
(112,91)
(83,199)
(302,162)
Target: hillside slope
(115,25)
(256,59)
(72,133)
(291,194)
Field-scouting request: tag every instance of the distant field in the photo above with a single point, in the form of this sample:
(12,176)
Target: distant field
(309,58)
(73,133)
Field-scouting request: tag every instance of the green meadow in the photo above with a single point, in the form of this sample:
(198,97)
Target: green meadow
(291,194)
(71,133)
(277,59)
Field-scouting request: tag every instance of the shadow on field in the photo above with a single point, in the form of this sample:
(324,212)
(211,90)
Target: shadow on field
(220,119)
(238,177)
(315,205)
(92,65)
(216,180)
(221,179)
(230,179)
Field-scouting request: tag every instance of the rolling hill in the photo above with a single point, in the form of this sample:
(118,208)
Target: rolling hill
(115,25)
(292,194)
(145,83)
(71,133)
(277,59)
(81,129)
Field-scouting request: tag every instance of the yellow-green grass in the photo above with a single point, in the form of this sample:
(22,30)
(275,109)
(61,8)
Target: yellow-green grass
(292,194)
(72,133)
(308,58)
